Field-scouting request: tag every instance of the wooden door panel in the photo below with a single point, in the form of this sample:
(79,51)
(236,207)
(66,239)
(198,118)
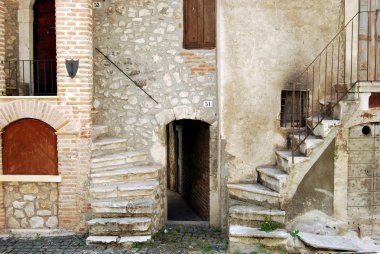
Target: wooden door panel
(30,148)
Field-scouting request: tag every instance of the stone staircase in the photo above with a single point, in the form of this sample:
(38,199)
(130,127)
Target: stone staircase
(123,192)
(251,203)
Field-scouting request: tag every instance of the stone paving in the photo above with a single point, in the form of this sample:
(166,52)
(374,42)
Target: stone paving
(171,239)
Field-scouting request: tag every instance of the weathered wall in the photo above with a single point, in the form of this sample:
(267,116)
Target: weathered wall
(31,205)
(363,203)
(259,55)
(145,39)
(316,189)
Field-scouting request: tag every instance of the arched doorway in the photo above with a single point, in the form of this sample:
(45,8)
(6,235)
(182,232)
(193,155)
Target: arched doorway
(44,49)
(188,170)
(29,148)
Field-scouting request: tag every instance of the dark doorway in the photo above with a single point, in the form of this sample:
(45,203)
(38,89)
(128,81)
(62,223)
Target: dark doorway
(44,64)
(30,148)
(188,170)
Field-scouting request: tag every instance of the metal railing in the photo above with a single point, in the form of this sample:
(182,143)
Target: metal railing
(30,77)
(352,56)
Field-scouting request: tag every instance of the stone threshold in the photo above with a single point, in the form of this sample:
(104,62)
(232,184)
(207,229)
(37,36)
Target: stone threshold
(31,178)
(32,233)
(190,223)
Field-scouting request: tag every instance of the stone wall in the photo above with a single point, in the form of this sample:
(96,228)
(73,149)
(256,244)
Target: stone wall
(144,38)
(31,205)
(11,30)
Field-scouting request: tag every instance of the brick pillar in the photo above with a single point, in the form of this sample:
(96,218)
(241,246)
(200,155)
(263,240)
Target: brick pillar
(2,47)
(74,41)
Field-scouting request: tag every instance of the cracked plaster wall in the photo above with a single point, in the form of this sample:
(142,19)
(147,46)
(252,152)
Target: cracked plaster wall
(259,55)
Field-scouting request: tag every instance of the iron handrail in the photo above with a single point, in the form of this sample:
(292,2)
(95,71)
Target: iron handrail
(125,74)
(336,63)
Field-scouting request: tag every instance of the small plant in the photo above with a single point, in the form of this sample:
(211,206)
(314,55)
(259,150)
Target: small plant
(237,252)
(37,237)
(217,230)
(295,235)
(270,225)
(206,247)
(137,245)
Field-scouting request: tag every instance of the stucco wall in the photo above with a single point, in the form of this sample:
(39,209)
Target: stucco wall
(316,190)
(263,45)
(144,38)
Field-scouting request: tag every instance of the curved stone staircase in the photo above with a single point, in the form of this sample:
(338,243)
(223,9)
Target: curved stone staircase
(123,192)
(251,203)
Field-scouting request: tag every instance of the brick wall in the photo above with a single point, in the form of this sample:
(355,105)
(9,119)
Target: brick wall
(196,161)
(2,46)
(74,41)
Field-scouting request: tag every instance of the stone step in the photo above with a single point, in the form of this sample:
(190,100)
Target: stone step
(249,239)
(273,178)
(124,175)
(117,160)
(119,226)
(107,145)
(122,240)
(308,144)
(284,160)
(321,127)
(98,131)
(254,194)
(131,208)
(253,215)
(135,190)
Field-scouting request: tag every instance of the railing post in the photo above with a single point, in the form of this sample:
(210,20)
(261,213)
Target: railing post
(293,112)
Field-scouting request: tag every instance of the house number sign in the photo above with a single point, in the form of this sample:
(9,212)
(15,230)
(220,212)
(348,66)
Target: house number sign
(207,104)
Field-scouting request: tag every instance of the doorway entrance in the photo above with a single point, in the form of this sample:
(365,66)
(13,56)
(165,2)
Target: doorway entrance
(45,64)
(188,170)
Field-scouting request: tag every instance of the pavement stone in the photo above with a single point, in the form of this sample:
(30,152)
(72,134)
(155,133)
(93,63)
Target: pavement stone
(171,239)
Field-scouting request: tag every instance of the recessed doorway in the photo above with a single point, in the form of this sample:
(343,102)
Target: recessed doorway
(188,170)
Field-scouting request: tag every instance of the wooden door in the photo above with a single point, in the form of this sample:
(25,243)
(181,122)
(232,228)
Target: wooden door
(44,48)
(30,148)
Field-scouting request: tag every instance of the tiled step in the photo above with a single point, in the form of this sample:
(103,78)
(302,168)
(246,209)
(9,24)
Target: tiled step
(308,145)
(253,215)
(249,239)
(284,160)
(255,194)
(119,226)
(98,131)
(124,175)
(136,190)
(324,127)
(117,160)
(108,145)
(132,208)
(273,178)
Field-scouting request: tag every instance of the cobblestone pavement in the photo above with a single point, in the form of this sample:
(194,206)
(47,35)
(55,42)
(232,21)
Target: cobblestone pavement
(171,239)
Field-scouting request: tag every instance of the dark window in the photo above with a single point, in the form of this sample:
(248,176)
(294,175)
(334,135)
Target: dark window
(300,108)
(199,24)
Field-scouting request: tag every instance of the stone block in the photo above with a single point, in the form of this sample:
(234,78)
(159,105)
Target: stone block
(29,197)
(18,205)
(13,223)
(44,213)
(19,214)
(29,209)
(52,222)
(36,222)
(30,188)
